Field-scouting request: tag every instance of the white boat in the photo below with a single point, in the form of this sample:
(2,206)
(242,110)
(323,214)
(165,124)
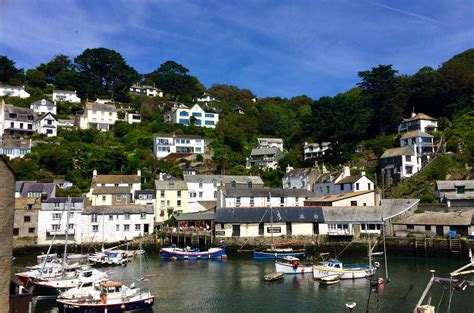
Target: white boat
(335,267)
(109,296)
(330,279)
(292,265)
(50,270)
(80,277)
(109,258)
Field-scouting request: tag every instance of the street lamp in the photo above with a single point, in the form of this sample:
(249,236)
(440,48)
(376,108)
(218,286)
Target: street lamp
(351,305)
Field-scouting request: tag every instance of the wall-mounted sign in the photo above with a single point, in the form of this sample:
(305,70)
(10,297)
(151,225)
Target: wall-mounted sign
(274,230)
(220,233)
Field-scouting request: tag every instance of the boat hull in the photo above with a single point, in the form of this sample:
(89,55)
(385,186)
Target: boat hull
(330,280)
(71,307)
(356,273)
(213,253)
(290,269)
(278,254)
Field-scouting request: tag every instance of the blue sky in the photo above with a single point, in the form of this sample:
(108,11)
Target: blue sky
(274,48)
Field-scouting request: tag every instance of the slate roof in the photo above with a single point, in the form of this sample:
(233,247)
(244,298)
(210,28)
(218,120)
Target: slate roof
(63,200)
(302,172)
(270,139)
(264,192)
(452,217)
(11,86)
(265,151)
(170,185)
(101,107)
(177,136)
(64,91)
(21,203)
(452,184)
(110,190)
(415,133)
(226,179)
(145,192)
(15,143)
(43,102)
(47,188)
(10,109)
(393,152)
(458,196)
(115,179)
(262,215)
(118,209)
(201,216)
(349,179)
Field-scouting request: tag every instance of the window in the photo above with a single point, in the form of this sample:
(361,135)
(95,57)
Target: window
(427,227)
(252,201)
(282,200)
(353,203)
(234,184)
(460,189)
(249,184)
(214,183)
(200,194)
(94,218)
(55,227)
(127,216)
(71,214)
(31,230)
(27,219)
(327,189)
(118,198)
(16,231)
(369,185)
(411,227)
(56,204)
(342,186)
(192,194)
(237,201)
(103,198)
(178,203)
(408,158)
(289,184)
(162,193)
(357,186)
(138,227)
(297,200)
(117,227)
(111,217)
(126,227)
(168,202)
(409,169)
(200,183)
(179,193)
(162,203)
(142,216)
(95,228)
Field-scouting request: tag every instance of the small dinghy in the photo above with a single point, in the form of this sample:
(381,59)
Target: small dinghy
(273,276)
(330,279)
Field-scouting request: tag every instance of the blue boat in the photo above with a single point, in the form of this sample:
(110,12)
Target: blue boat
(278,253)
(192,254)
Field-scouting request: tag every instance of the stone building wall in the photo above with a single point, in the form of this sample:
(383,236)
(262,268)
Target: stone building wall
(7,209)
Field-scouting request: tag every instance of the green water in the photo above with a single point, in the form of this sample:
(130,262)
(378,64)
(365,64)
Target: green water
(236,285)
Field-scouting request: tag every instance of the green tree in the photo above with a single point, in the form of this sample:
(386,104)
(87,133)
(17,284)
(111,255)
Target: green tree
(60,72)
(174,80)
(104,72)
(36,79)
(9,74)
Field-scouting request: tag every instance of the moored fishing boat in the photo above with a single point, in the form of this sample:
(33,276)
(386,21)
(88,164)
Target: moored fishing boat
(278,253)
(293,265)
(48,271)
(107,297)
(335,267)
(109,258)
(188,253)
(79,277)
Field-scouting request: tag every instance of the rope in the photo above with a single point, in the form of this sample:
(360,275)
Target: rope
(441,299)
(343,249)
(450,298)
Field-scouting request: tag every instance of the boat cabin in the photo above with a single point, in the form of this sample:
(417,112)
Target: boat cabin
(110,287)
(333,264)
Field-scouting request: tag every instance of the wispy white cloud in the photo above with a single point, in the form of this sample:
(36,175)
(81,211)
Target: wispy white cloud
(408,13)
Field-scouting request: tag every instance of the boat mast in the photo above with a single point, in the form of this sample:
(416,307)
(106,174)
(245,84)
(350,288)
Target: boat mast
(67,231)
(384,249)
(271,216)
(103,229)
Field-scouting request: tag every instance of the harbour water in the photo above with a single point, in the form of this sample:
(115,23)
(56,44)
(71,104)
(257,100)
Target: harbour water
(236,285)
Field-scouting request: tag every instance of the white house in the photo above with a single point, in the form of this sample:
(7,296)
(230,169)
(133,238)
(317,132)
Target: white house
(181,114)
(13,91)
(133,118)
(15,148)
(315,150)
(400,162)
(145,197)
(206,98)
(420,121)
(353,198)
(265,158)
(97,116)
(423,141)
(300,178)
(66,96)
(163,145)
(16,121)
(205,187)
(342,182)
(43,107)
(46,124)
(115,223)
(270,143)
(105,185)
(52,220)
(262,197)
(66,123)
(144,90)
(104,101)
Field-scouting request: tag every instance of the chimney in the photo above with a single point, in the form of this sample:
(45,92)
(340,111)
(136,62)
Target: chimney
(94,173)
(413,114)
(161,176)
(289,168)
(139,173)
(347,171)
(362,173)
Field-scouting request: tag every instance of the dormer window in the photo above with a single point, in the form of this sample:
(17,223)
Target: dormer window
(249,184)
(234,184)
(460,189)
